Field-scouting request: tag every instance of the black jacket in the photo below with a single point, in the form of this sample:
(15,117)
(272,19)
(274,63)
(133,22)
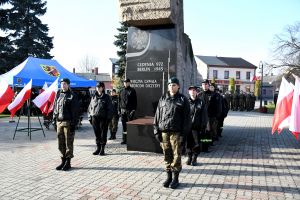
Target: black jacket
(115,104)
(127,99)
(213,102)
(172,114)
(199,115)
(100,106)
(66,107)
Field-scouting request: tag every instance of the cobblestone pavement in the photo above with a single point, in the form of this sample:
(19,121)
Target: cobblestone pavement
(248,162)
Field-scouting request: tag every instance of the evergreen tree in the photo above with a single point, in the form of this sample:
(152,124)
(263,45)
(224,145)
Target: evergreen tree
(25,32)
(6,47)
(121,42)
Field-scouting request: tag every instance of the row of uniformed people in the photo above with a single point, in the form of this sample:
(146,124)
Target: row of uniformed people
(240,100)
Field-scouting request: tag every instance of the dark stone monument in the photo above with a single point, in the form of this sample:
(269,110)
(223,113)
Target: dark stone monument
(157,49)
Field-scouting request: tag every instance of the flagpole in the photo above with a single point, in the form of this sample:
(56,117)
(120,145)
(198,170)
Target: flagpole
(261,83)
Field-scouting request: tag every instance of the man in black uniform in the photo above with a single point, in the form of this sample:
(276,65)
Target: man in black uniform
(127,106)
(65,114)
(214,109)
(199,121)
(113,125)
(99,115)
(171,125)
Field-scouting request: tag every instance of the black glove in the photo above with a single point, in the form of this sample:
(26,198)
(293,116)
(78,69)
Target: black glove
(90,120)
(72,128)
(131,114)
(158,137)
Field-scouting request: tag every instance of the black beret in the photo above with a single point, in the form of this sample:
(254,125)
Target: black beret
(100,84)
(66,80)
(127,80)
(173,80)
(205,81)
(193,87)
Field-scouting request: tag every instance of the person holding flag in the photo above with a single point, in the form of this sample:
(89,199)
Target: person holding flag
(65,114)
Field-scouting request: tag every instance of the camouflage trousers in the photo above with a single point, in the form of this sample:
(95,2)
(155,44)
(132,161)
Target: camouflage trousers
(65,139)
(113,125)
(172,151)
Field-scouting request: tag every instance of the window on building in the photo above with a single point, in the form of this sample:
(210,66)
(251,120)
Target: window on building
(215,74)
(238,88)
(225,88)
(248,75)
(238,75)
(226,74)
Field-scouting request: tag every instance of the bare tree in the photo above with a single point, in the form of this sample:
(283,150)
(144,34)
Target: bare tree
(87,63)
(287,47)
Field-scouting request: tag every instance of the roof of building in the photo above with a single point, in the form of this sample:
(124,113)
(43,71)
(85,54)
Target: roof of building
(114,60)
(97,77)
(225,61)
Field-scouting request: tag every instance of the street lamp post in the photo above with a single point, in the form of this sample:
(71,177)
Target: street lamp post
(261,82)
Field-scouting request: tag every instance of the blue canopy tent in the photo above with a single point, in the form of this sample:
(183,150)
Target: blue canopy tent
(41,71)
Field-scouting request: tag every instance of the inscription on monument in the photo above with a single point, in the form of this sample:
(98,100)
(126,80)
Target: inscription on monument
(150,61)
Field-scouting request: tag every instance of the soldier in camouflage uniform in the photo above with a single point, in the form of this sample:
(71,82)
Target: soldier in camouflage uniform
(171,125)
(65,114)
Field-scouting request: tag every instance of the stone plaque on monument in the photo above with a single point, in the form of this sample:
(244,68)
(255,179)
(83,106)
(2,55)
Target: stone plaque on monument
(151,60)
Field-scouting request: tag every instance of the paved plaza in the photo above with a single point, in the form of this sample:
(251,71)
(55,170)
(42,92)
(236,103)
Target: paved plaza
(247,163)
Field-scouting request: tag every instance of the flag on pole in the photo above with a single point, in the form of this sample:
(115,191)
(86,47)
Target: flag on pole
(45,86)
(283,106)
(20,99)
(45,100)
(6,95)
(295,113)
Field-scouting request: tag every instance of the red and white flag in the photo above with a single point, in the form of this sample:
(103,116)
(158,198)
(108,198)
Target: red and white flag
(295,114)
(283,106)
(45,100)
(20,99)
(253,78)
(6,95)
(45,86)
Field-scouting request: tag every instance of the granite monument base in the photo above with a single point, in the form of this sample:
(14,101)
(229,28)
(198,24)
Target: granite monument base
(140,136)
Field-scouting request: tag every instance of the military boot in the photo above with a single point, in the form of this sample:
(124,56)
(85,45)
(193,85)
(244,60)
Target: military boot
(124,138)
(189,160)
(168,180)
(63,160)
(67,165)
(97,150)
(194,160)
(175,182)
(102,150)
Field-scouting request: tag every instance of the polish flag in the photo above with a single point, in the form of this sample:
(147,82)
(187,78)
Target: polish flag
(45,86)
(283,106)
(295,114)
(45,100)
(6,95)
(253,78)
(20,99)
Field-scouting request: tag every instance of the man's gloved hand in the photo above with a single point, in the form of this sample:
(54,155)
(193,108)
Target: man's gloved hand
(158,137)
(90,120)
(131,114)
(72,128)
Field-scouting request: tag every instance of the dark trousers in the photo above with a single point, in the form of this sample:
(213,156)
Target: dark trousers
(100,127)
(193,142)
(125,117)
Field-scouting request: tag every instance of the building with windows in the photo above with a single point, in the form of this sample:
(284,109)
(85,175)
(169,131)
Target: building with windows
(222,69)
